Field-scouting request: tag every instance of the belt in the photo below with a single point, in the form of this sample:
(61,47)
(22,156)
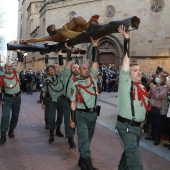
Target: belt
(60,97)
(128,121)
(66,98)
(87,110)
(13,95)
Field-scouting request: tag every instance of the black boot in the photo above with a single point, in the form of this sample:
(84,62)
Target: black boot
(51,139)
(88,163)
(11,133)
(3,138)
(58,132)
(71,143)
(81,164)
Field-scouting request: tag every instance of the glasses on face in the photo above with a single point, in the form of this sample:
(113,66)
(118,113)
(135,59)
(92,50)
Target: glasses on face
(8,66)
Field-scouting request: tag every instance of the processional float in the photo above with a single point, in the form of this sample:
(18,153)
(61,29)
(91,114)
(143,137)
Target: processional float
(94,31)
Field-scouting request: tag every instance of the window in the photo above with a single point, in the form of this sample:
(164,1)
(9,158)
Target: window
(157,5)
(110,11)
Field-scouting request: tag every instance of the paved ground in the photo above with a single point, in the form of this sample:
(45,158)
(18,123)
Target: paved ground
(108,119)
(29,150)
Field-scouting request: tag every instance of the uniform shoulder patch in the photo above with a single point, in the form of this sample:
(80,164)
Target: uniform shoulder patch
(72,91)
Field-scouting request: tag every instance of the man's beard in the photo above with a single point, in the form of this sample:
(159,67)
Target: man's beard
(75,73)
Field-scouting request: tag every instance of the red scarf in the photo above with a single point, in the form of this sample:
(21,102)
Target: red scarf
(74,78)
(141,94)
(79,98)
(9,78)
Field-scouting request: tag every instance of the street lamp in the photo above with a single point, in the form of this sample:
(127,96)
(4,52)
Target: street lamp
(25,55)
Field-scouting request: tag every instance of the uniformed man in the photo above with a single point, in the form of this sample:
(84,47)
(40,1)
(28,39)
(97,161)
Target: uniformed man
(59,121)
(132,106)
(11,99)
(53,87)
(83,104)
(70,76)
(46,105)
(47,100)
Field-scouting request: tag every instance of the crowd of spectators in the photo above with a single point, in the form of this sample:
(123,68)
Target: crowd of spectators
(158,118)
(31,80)
(108,77)
(157,84)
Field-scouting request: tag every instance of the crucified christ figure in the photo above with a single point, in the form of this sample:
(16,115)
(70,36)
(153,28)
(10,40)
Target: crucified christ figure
(76,31)
(74,27)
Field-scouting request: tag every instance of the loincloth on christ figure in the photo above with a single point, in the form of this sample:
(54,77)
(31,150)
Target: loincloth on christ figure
(68,34)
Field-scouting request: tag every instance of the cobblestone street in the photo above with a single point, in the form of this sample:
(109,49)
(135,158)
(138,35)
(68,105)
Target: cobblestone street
(30,150)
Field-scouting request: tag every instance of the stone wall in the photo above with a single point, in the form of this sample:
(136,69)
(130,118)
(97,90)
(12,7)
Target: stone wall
(150,40)
(149,65)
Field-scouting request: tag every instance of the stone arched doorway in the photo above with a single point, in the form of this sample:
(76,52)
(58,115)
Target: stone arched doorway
(110,50)
(107,59)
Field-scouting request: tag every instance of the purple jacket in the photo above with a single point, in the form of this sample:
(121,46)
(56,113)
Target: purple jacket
(157,95)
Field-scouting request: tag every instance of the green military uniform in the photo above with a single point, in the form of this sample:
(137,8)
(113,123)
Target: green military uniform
(55,90)
(130,133)
(85,118)
(47,101)
(68,82)
(11,100)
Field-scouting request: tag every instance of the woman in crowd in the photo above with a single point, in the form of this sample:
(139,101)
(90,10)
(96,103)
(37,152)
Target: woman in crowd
(157,95)
(168,119)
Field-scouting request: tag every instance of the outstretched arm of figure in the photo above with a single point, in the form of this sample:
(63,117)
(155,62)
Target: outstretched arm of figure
(13,42)
(95,54)
(126,59)
(34,40)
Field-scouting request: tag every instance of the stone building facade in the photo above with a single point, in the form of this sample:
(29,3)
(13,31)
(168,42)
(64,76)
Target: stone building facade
(150,44)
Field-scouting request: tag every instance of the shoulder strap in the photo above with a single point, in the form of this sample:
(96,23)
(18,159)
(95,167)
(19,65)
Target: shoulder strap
(132,104)
(67,84)
(95,92)
(82,97)
(56,84)
(60,81)
(47,86)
